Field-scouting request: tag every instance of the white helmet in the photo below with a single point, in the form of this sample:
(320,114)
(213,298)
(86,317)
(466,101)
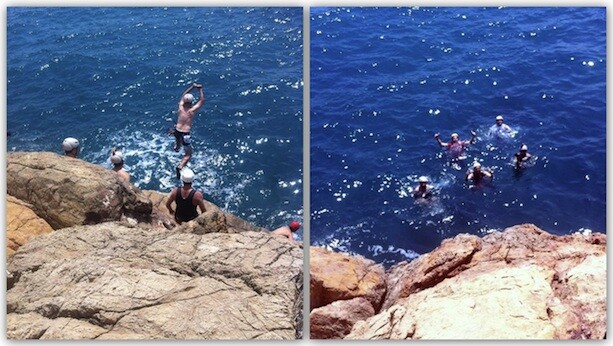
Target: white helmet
(476,164)
(454,135)
(524,147)
(499,117)
(70,143)
(187,175)
(423,179)
(189,98)
(117,157)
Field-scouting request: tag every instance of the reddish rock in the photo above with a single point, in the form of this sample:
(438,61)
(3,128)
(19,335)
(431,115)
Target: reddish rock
(336,276)
(22,224)
(335,320)
(522,283)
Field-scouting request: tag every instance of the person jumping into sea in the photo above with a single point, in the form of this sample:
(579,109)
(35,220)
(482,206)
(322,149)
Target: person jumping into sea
(186,113)
(456,146)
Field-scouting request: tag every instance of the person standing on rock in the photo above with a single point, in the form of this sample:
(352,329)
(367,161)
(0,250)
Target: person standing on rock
(186,198)
(71,147)
(186,113)
(117,160)
(286,231)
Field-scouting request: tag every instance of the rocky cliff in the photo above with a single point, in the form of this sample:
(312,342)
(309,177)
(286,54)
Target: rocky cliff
(521,283)
(110,270)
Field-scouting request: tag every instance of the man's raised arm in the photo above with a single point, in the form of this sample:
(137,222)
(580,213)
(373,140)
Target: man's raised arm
(200,98)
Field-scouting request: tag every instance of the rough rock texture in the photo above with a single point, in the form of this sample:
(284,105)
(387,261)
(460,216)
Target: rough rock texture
(336,276)
(214,220)
(335,320)
(67,192)
(522,283)
(108,281)
(22,224)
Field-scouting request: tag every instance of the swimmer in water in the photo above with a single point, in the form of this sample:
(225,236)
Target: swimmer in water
(522,156)
(423,190)
(456,146)
(477,174)
(500,129)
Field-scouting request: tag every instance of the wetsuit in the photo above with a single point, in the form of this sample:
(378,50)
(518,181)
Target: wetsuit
(186,210)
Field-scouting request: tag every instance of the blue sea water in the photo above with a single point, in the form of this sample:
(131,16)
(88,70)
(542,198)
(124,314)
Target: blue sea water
(114,76)
(385,80)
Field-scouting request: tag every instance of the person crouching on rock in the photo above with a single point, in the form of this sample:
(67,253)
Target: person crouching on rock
(117,160)
(186,198)
(71,147)
(286,231)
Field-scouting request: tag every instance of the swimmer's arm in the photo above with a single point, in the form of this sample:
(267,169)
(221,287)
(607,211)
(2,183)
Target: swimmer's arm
(438,139)
(200,99)
(171,197)
(468,176)
(472,139)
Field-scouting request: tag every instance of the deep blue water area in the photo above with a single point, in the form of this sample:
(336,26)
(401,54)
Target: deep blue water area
(385,80)
(114,76)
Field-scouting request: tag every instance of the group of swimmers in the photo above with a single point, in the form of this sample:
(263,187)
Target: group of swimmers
(477,174)
(186,198)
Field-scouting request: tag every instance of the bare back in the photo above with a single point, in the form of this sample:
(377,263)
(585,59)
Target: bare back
(186,116)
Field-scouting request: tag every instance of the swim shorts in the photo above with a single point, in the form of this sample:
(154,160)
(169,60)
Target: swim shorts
(184,138)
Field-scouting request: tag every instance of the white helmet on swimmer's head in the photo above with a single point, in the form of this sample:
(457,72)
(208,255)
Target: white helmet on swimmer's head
(70,143)
(188,98)
(499,118)
(116,157)
(454,135)
(524,148)
(476,164)
(423,179)
(187,175)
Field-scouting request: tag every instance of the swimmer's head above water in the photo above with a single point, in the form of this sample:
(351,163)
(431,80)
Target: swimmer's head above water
(499,120)
(423,180)
(523,148)
(455,137)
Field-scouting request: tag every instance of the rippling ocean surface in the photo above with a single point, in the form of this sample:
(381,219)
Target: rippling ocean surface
(385,80)
(113,77)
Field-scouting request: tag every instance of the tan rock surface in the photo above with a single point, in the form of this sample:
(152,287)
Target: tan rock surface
(22,224)
(65,191)
(522,283)
(154,284)
(336,276)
